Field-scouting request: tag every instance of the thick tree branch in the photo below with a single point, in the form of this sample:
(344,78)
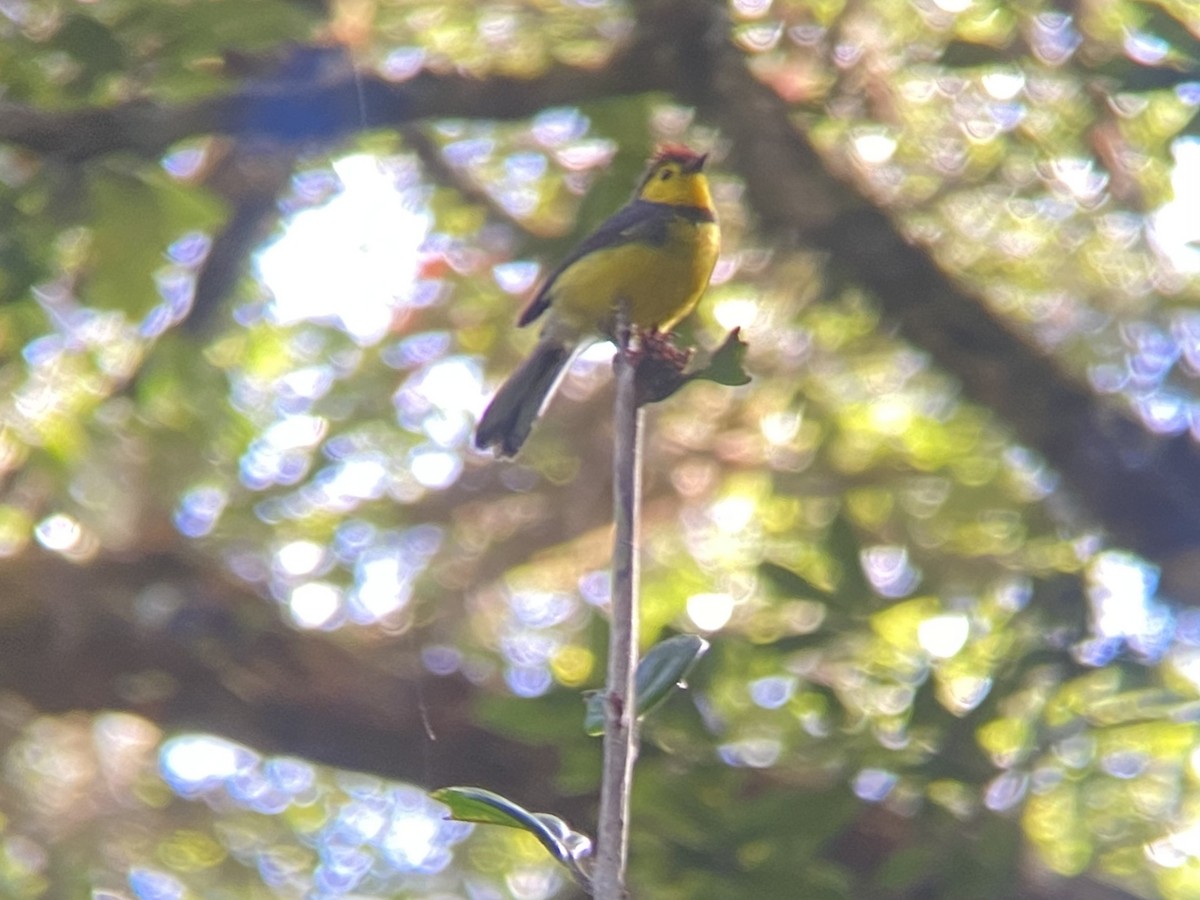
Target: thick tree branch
(250,180)
(324,108)
(1145,489)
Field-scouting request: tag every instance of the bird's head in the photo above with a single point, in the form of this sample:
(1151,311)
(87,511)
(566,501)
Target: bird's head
(676,176)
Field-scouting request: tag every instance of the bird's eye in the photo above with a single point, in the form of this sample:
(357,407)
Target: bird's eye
(665,175)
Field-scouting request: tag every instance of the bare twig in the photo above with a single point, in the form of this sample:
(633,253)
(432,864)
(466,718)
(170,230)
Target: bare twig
(620,738)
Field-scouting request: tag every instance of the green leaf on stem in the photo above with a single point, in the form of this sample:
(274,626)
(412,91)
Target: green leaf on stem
(662,368)
(970,55)
(660,672)
(725,366)
(472,804)
(793,584)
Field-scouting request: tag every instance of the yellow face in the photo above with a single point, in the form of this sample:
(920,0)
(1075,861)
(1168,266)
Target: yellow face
(677,182)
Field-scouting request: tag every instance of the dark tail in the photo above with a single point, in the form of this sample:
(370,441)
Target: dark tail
(510,416)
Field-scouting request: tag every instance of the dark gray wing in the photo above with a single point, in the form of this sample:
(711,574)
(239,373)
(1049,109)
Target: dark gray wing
(639,221)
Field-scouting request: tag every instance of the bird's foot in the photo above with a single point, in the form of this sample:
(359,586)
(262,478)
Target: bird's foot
(660,364)
(660,345)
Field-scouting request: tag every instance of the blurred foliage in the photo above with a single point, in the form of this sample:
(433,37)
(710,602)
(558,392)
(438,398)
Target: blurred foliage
(911,623)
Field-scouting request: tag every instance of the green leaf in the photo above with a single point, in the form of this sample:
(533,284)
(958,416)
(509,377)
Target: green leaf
(663,368)
(725,366)
(906,868)
(659,673)
(472,804)
(793,584)
(846,548)
(93,46)
(1134,77)
(968,55)
(134,220)
(1192,129)
(1170,29)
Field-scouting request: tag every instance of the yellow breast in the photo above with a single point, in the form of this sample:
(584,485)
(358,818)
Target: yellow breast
(661,283)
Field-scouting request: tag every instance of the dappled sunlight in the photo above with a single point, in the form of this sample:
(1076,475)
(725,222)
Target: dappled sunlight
(710,612)
(753,753)
(60,533)
(364,833)
(889,570)
(943,636)
(912,612)
(873,785)
(537,637)
(379,568)
(441,400)
(1125,609)
(199,510)
(332,832)
(1173,227)
(368,234)
(315,604)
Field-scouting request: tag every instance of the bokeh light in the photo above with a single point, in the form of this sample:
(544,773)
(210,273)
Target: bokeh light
(352,260)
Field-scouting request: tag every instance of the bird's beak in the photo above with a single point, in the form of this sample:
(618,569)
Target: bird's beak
(695,164)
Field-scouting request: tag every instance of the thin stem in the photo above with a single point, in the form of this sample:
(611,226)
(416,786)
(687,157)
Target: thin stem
(620,747)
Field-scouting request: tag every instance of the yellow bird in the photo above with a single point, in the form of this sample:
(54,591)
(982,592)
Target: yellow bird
(656,254)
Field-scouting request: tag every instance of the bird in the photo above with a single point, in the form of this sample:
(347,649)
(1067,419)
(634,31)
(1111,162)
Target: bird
(654,257)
